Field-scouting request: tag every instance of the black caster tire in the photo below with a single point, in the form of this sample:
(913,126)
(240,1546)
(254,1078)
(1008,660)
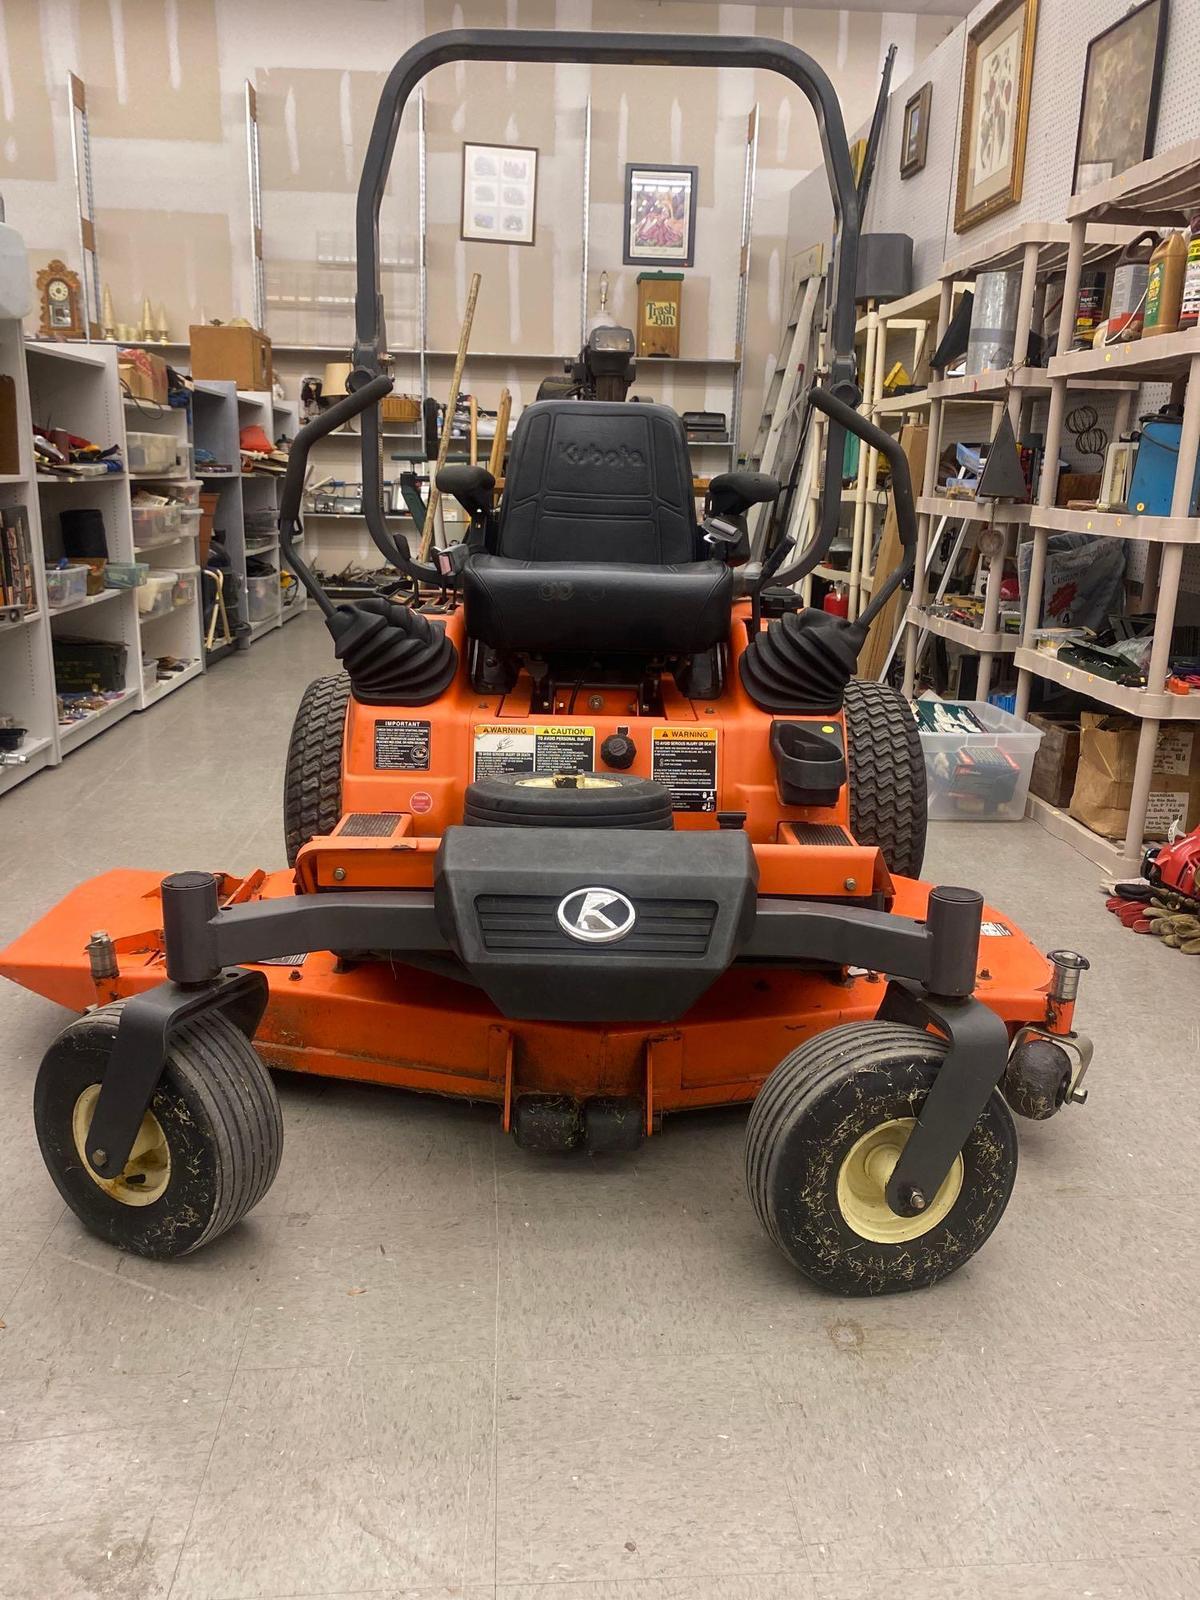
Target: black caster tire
(823,1137)
(208,1149)
(312,784)
(567,800)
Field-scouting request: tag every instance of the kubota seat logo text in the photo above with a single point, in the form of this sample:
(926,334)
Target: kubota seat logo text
(593,455)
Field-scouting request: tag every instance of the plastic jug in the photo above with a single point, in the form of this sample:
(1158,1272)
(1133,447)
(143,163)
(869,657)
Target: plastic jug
(1164,286)
(1127,305)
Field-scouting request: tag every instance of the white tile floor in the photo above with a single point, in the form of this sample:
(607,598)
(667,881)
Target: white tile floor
(431,1366)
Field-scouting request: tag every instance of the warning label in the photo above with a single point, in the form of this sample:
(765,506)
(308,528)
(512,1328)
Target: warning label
(505,747)
(685,761)
(401,745)
(995,930)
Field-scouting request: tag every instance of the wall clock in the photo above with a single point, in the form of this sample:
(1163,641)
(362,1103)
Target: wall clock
(62,316)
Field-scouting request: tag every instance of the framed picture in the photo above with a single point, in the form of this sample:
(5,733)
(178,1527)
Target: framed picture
(660,215)
(914,137)
(995,112)
(1119,108)
(499,193)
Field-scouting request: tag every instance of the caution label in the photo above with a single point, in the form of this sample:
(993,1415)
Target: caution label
(506,747)
(401,745)
(995,930)
(685,761)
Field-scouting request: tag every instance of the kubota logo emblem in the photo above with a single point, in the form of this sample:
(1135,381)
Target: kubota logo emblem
(596,916)
(593,455)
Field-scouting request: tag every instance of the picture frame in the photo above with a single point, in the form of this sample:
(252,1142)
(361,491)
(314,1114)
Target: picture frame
(499,193)
(660,215)
(994,121)
(1118,107)
(914,131)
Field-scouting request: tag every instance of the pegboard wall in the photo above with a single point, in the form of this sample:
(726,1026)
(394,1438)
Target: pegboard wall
(923,205)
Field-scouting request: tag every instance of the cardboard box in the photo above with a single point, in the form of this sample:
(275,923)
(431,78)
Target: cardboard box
(144,375)
(1104,781)
(242,354)
(1057,760)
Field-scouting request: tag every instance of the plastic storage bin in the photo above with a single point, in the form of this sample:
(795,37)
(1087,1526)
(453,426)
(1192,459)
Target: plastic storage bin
(126,574)
(154,525)
(187,493)
(980,777)
(187,583)
(65,586)
(262,596)
(154,597)
(151,452)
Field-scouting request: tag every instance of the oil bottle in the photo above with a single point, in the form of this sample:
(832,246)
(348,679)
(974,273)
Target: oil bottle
(1189,313)
(1164,286)
(1126,308)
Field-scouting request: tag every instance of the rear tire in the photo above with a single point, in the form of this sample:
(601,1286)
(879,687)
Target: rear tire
(312,788)
(208,1149)
(822,1141)
(889,805)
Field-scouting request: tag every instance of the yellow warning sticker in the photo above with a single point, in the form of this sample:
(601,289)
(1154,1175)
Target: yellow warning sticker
(685,761)
(508,747)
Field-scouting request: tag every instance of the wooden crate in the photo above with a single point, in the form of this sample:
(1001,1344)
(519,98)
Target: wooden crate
(242,354)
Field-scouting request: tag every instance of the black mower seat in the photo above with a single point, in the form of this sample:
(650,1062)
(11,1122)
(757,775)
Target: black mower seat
(597,547)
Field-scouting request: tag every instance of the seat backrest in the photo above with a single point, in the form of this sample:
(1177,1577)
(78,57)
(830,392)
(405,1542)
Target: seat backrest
(599,481)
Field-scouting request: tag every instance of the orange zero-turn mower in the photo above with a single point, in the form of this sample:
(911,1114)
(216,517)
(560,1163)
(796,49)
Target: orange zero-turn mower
(606,830)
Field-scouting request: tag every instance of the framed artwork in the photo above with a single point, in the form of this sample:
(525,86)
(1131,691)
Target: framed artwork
(1119,107)
(995,112)
(499,193)
(914,137)
(660,215)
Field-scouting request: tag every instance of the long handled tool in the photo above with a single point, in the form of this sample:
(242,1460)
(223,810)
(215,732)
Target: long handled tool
(500,442)
(460,361)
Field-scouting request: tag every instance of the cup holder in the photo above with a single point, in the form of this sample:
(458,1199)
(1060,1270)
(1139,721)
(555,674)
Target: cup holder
(809,770)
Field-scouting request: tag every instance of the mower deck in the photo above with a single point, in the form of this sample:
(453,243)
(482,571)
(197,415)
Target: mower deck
(445,1037)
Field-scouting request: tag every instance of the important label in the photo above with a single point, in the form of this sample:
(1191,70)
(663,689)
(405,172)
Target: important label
(1163,807)
(401,745)
(995,930)
(685,761)
(506,747)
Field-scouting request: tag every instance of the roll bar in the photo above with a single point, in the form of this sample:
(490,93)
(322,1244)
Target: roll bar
(616,49)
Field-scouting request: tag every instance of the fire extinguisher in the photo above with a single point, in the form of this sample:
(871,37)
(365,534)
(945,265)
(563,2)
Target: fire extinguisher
(837,601)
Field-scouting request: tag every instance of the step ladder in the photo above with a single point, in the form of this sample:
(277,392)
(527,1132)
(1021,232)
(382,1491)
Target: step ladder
(784,396)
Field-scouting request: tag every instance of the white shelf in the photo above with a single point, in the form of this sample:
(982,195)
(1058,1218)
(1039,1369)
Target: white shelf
(932,505)
(1056,820)
(76,352)
(73,734)
(289,613)
(1135,702)
(1162,191)
(257,629)
(894,405)
(991,385)
(13,623)
(38,753)
(13,477)
(82,605)
(1007,249)
(1159,358)
(1118,525)
(151,697)
(962,633)
(48,478)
